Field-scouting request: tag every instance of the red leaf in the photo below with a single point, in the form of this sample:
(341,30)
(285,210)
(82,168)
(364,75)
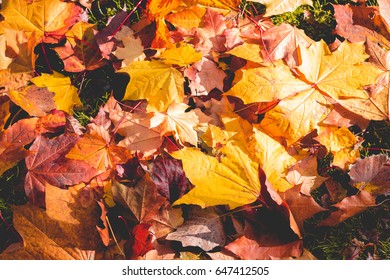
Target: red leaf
(141,243)
(48,165)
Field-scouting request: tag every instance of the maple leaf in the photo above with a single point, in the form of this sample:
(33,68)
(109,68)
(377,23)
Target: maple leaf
(155,81)
(275,7)
(13,140)
(64,231)
(340,75)
(49,19)
(187,18)
(203,228)
(140,243)
(65,94)
(304,173)
(219,182)
(353,32)
(100,154)
(157,9)
(181,54)
(340,142)
(80,52)
(205,76)
(282,42)
(132,49)
(247,51)
(168,175)
(47,165)
(302,206)
(267,149)
(371,174)
(135,127)
(349,207)
(251,246)
(178,122)
(142,199)
(4,60)
(34,100)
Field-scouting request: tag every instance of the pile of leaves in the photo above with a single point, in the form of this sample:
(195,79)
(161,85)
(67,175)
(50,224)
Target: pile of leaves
(214,127)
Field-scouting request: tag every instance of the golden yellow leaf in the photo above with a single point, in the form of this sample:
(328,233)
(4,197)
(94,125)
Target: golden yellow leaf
(274,160)
(190,17)
(157,9)
(233,180)
(275,7)
(160,84)
(338,76)
(65,94)
(247,51)
(265,84)
(296,116)
(181,54)
(4,60)
(340,142)
(222,4)
(177,122)
(47,18)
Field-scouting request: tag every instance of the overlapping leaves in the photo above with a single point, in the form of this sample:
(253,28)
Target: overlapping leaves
(218,113)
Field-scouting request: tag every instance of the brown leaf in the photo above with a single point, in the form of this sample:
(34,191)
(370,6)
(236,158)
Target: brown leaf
(250,246)
(47,164)
(353,32)
(371,174)
(302,206)
(63,231)
(142,199)
(203,228)
(349,207)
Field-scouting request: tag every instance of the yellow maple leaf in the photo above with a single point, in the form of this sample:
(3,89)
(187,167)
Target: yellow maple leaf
(190,17)
(157,9)
(160,84)
(339,75)
(65,94)
(232,181)
(274,160)
(247,51)
(133,49)
(275,7)
(47,18)
(178,122)
(340,142)
(181,54)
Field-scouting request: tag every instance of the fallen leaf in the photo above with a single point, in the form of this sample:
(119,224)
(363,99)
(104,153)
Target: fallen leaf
(371,174)
(47,165)
(219,182)
(155,81)
(178,122)
(349,207)
(65,94)
(132,49)
(203,228)
(181,54)
(142,199)
(304,173)
(205,76)
(49,19)
(275,7)
(251,247)
(64,231)
(168,175)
